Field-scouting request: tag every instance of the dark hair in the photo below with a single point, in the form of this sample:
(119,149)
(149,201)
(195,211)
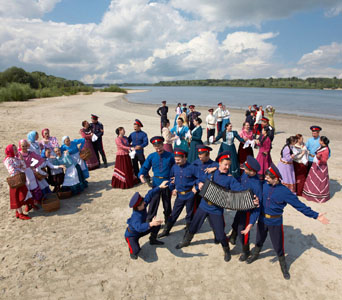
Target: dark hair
(117,130)
(262,138)
(225,126)
(179,104)
(199,120)
(84,122)
(289,141)
(180,119)
(184,109)
(298,136)
(325,140)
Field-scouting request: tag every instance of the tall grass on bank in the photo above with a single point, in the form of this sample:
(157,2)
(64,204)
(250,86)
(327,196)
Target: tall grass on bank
(114,89)
(20,92)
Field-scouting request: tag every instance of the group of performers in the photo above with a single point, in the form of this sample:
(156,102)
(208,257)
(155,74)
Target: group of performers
(174,174)
(46,163)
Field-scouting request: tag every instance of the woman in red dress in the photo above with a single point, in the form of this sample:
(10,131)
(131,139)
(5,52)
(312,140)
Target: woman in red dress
(21,195)
(264,155)
(123,176)
(247,134)
(87,134)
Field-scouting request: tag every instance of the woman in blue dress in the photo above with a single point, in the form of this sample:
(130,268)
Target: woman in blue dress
(74,152)
(196,139)
(228,136)
(183,134)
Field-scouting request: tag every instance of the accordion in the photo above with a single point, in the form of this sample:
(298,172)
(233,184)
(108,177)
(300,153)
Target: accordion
(224,198)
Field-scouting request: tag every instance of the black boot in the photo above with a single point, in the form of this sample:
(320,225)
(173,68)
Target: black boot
(186,228)
(283,267)
(245,253)
(186,240)
(153,239)
(232,237)
(133,256)
(216,241)
(254,256)
(227,255)
(166,230)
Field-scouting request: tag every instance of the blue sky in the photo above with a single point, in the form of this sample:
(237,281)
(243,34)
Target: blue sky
(148,41)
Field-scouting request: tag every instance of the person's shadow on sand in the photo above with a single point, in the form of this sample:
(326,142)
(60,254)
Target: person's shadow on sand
(296,244)
(335,187)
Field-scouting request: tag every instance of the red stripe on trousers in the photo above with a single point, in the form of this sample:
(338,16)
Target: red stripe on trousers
(282,236)
(129,246)
(245,241)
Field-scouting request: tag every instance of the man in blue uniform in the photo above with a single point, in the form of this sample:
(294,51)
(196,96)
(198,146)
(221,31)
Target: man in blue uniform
(214,213)
(313,144)
(161,163)
(244,219)
(138,140)
(162,112)
(138,226)
(275,197)
(183,186)
(97,129)
(193,115)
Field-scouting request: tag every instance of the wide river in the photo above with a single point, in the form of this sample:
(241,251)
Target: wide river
(315,103)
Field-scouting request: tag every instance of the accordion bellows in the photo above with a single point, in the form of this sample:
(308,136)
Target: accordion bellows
(225,198)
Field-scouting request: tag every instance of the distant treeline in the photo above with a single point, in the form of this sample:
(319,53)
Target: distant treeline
(293,82)
(18,85)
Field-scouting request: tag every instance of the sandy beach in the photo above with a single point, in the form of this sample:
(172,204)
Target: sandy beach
(79,252)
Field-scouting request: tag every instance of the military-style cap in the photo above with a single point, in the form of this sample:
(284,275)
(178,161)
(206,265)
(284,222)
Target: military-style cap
(252,164)
(137,122)
(163,101)
(210,109)
(315,128)
(219,104)
(180,152)
(223,155)
(191,106)
(135,200)
(274,170)
(157,140)
(95,117)
(265,119)
(203,148)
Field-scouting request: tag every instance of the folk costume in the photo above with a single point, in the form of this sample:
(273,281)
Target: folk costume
(193,115)
(286,169)
(300,162)
(162,112)
(227,144)
(34,145)
(218,113)
(98,130)
(313,145)
(161,165)
(168,139)
(316,187)
(264,156)
(92,162)
(211,123)
(182,133)
(243,153)
(123,176)
(50,143)
(196,139)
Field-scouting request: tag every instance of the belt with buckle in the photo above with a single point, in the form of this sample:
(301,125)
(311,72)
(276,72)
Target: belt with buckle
(185,192)
(160,177)
(267,216)
(209,202)
(129,230)
(286,162)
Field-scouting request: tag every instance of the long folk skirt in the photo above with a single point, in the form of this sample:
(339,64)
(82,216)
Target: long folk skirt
(123,176)
(316,187)
(300,173)
(243,153)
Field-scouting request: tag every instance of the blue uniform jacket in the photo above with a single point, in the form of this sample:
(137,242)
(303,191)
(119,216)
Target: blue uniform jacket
(200,166)
(255,185)
(161,166)
(137,222)
(228,182)
(185,178)
(138,138)
(97,129)
(275,198)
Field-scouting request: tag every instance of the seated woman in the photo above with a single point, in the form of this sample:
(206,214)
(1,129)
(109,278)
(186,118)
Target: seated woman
(316,187)
(123,176)
(71,177)
(74,148)
(32,138)
(18,196)
(56,174)
(31,158)
(87,134)
(228,136)
(196,139)
(48,141)
(183,133)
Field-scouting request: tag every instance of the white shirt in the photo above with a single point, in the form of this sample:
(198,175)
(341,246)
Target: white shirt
(258,117)
(211,121)
(218,113)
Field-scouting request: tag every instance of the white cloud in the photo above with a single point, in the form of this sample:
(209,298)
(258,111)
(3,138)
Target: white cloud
(26,8)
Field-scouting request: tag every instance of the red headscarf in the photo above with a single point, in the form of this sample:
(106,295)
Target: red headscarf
(9,151)
(45,129)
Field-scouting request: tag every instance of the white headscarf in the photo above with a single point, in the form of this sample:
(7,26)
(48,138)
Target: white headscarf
(64,138)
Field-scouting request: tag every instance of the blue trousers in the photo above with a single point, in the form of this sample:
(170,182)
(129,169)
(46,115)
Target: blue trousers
(216,222)
(133,242)
(276,235)
(178,207)
(241,220)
